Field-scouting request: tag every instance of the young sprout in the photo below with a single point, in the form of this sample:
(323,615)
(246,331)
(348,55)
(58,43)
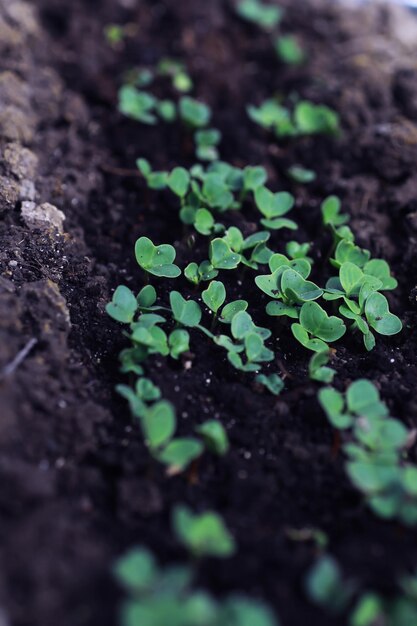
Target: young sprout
(154,180)
(138,105)
(316,328)
(326,586)
(289,50)
(214,436)
(273,116)
(198,273)
(203,535)
(178,342)
(185,312)
(206,142)
(273,383)
(157,260)
(263,15)
(222,257)
(301,174)
(330,210)
(123,306)
(114,34)
(194,113)
(317,368)
(179,182)
(159,423)
(181,81)
(273,206)
(313,119)
(179,453)
(214,296)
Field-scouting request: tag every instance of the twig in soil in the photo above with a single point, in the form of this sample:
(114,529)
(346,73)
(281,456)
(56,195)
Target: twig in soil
(120,171)
(9,369)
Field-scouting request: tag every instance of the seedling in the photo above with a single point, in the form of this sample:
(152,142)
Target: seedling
(198,273)
(314,119)
(318,369)
(194,113)
(289,50)
(179,181)
(307,118)
(203,535)
(316,328)
(160,596)
(185,312)
(154,180)
(263,15)
(139,105)
(214,436)
(301,174)
(297,250)
(214,296)
(326,586)
(114,34)
(273,206)
(273,383)
(157,260)
(222,257)
(181,81)
(207,142)
(123,306)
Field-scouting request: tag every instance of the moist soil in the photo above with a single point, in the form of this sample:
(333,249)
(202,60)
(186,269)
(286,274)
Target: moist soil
(78,485)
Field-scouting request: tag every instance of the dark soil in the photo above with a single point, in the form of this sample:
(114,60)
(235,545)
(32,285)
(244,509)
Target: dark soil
(78,486)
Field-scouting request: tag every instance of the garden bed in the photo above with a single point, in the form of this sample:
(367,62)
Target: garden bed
(79,485)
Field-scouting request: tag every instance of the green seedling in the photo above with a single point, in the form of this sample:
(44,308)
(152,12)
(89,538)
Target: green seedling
(154,180)
(199,273)
(273,383)
(288,284)
(222,257)
(207,141)
(159,596)
(297,250)
(307,118)
(194,113)
(214,296)
(251,340)
(214,436)
(315,328)
(263,15)
(330,210)
(273,116)
(185,312)
(301,174)
(174,69)
(289,50)
(203,535)
(179,181)
(123,306)
(254,176)
(326,586)
(179,453)
(205,224)
(138,105)
(114,34)
(255,245)
(157,260)
(318,369)
(178,342)
(362,400)
(368,611)
(273,206)
(158,423)
(231,309)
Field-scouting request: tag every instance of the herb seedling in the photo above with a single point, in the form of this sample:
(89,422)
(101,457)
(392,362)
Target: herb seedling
(326,586)
(157,260)
(273,206)
(214,436)
(289,50)
(263,15)
(207,141)
(194,113)
(316,328)
(203,535)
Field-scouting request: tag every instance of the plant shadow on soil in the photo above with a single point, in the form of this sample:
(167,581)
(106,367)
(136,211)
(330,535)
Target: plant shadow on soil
(281,472)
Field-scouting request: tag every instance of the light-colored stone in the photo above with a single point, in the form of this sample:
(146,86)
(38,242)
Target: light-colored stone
(27,190)
(16,125)
(42,216)
(19,161)
(9,193)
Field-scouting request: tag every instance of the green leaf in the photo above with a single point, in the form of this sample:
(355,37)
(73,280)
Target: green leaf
(136,571)
(157,260)
(271,204)
(123,306)
(312,119)
(254,177)
(147,297)
(147,391)
(186,312)
(231,309)
(301,174)
(242,324)
(272,382)
(280,309)
(330,210)
(214,296)
(193,112)
(215,436)
(264,15)
(297,289)
(203,535)
(347,251)
(289,50)
(179,181)
(222,257)
(316,321)
(159,424)
(363,399)
(191,273)
(179,453)
(333,404)
(179,342)
(378,315)
(381,270)
(204,222)
(350,277)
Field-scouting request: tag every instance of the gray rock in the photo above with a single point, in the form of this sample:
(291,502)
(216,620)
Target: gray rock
(27,190)
(42,216)
(19,161)
(9,193)
(15,125)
